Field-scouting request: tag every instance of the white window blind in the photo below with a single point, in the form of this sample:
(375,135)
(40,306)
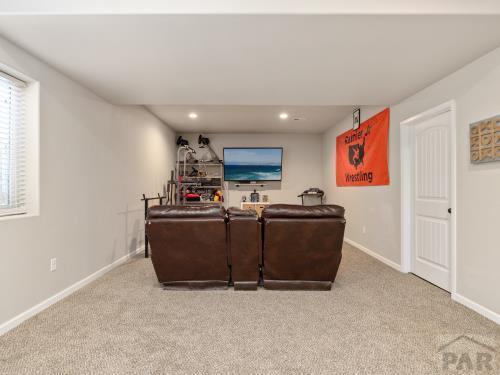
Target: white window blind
(12,146)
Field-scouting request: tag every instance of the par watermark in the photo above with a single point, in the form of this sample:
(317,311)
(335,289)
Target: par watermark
(468,354)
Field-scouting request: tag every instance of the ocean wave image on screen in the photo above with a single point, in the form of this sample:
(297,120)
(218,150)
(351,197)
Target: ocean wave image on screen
(252,164)
(252,172)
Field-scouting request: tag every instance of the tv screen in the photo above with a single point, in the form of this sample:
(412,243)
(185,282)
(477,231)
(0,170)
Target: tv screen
(252,164)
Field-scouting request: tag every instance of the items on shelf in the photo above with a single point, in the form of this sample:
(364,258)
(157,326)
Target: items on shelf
(197,181)
(254,197)
(218,197)
(204,142)
(191,196)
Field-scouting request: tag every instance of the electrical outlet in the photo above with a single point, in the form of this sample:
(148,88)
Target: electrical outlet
(53,264)
(364,229)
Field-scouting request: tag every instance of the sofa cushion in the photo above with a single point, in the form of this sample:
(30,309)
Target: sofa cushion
(235,211)
(198,211)
(303,212)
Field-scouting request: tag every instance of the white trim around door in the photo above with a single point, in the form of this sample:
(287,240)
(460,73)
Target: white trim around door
(407,189)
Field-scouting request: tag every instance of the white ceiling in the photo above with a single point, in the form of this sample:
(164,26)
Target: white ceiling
(253,119)
(251,6)
(254,60)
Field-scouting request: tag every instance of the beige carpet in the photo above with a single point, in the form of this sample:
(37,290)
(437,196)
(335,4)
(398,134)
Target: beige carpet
(374,321)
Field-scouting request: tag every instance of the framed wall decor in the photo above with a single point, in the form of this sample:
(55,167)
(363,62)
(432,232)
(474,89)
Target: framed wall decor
(356,119)
(485,140)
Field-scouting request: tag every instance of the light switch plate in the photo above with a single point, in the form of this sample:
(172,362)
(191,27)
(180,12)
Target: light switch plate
(53,264)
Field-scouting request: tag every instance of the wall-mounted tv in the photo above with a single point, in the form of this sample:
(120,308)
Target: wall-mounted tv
(253,164)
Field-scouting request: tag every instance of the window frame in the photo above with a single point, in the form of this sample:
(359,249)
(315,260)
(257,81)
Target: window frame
(32,144)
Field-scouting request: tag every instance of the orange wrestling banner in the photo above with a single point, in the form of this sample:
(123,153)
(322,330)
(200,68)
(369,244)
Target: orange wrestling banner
(362,153)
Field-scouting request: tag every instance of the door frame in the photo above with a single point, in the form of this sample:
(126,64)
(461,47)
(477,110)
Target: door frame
(407,187)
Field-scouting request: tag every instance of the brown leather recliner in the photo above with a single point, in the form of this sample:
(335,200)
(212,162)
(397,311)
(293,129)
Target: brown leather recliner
(302,246)
(244,243)
(188,246)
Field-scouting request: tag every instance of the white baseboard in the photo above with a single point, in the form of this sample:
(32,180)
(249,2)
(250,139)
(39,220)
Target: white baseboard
(372,253)
(14,322)
(487,313)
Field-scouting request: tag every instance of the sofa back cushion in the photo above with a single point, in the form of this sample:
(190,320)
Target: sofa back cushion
(186,212)
(303,212)
(238,212)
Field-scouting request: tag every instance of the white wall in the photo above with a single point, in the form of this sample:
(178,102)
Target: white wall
(475,90)
(301,162)
(377,208)
(96,161)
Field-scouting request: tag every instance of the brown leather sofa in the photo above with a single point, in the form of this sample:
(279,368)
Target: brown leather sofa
(196,246)
(188,246)
(302,246)
(244,243)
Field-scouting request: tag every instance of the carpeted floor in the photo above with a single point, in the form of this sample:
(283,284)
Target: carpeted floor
(374,321)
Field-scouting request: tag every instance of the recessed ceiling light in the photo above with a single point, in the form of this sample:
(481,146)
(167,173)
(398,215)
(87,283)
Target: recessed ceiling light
(193,115)
(283,116)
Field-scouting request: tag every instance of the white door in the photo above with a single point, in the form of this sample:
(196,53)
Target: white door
(431,237)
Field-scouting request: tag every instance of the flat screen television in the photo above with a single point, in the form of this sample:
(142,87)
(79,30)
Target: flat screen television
(252,164)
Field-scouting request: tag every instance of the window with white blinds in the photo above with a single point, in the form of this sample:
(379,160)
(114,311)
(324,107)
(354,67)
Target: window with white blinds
(12,146)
